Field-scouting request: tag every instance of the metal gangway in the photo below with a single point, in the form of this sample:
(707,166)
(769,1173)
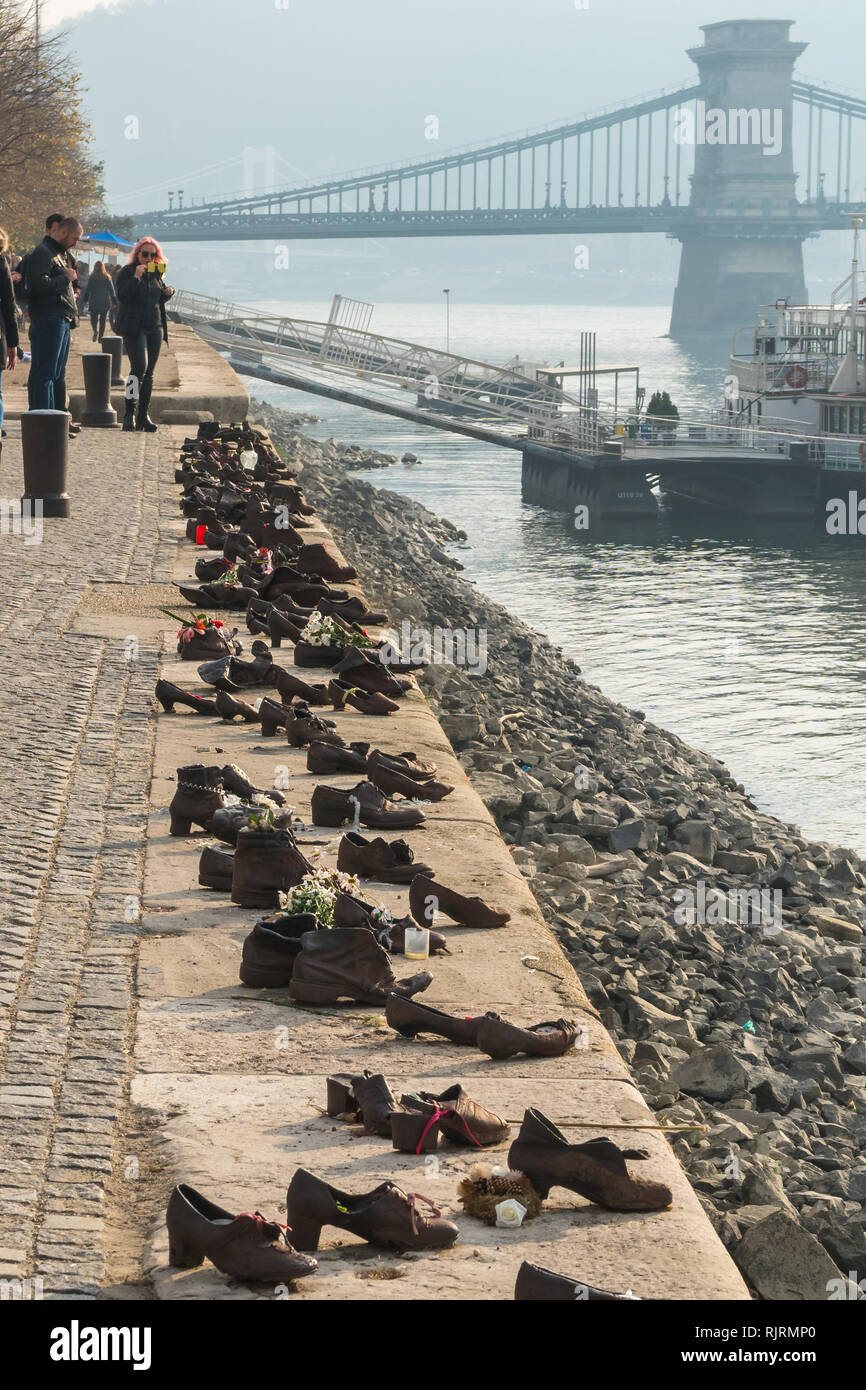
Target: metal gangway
(518,399)
(513,405)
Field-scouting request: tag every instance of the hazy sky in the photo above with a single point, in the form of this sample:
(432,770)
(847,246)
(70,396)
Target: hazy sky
(334,85)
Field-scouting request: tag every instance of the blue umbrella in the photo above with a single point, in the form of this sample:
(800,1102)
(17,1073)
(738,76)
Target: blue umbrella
(104,239)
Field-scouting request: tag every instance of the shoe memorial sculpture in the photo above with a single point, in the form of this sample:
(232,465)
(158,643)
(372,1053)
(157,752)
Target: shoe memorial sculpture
(321,942)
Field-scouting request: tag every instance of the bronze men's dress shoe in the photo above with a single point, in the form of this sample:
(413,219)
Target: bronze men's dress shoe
(341,694)
(245,1246)
(377,859)
(419,769)
(329,758)
(333,806)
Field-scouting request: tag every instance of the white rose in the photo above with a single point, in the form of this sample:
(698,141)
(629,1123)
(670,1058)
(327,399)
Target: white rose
(510,1212)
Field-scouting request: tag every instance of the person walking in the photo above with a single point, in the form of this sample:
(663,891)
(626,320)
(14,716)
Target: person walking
(53,314)
(141,322)
(8,321)
(99,297)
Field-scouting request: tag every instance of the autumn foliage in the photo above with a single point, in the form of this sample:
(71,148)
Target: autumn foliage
(46,163)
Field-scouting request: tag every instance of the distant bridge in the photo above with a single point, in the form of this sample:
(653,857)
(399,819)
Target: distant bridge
(710,164)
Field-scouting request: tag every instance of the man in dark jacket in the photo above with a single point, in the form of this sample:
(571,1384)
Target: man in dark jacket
(53,313)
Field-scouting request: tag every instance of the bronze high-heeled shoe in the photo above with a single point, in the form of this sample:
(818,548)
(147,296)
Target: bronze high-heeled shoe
(596,1170)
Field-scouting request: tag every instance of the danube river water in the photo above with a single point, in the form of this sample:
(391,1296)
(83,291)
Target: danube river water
(747,642)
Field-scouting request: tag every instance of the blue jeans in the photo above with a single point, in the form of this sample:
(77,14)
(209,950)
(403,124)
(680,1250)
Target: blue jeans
(49,349)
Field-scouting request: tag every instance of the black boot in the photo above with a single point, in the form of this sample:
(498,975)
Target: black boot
(129,416)
(143,420)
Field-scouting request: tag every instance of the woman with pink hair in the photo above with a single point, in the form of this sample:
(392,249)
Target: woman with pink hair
(141,322)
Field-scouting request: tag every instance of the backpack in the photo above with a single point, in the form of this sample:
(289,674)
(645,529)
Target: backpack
(22,287)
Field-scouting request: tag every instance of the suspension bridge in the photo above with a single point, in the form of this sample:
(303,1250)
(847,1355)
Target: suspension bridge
(710,163)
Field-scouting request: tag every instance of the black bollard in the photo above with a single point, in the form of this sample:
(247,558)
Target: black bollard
(114,346)
(45,447)
(97,386)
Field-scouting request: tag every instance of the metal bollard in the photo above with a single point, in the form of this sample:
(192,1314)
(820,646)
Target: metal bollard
(45,447)
(98,409)
(114,346)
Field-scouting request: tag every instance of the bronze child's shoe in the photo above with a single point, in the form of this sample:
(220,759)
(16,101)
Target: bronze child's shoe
(596,1170)
(245,1246)
(386,1216)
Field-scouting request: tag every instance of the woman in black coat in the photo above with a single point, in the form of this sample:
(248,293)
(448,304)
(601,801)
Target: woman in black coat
(141,322)
(99,296)
(8,318)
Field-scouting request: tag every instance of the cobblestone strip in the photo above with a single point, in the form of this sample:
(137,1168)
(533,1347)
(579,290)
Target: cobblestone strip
(77,723)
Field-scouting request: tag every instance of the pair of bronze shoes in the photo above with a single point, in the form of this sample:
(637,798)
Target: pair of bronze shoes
(247,1246)
(415,1121)
(491,1034)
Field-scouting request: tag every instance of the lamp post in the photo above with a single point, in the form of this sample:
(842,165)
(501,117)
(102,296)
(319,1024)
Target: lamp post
(447,294)
(171,200)
(180,198)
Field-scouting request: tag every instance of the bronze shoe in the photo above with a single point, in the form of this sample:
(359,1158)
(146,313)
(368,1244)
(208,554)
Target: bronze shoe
(394,783)
(348,963)
(377,859)
(426,898)
(198,796)
(537,1285)
(499,1038)
(333,806)
(245,1246)
(456,1115)
(273,945)
(595,1170)
(266,863)
(387,1216)
(408,1017)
